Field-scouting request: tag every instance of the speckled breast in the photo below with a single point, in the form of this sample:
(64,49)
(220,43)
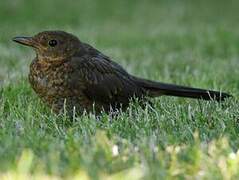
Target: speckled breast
(50,82)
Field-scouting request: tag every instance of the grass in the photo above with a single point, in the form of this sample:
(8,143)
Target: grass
(185,42)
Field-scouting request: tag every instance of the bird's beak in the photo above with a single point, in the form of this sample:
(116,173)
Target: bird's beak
(27,41)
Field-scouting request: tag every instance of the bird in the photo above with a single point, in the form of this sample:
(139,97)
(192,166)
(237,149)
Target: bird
(70,75)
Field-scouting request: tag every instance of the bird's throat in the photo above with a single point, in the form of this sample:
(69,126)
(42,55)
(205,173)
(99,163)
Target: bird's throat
(47,62)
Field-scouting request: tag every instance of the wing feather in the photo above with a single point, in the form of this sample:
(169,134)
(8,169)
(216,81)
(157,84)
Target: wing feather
(106,82)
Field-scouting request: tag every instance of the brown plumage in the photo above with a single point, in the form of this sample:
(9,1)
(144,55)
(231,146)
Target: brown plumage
(69,73)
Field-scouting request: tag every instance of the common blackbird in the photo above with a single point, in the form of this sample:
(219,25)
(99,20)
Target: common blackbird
(67,73)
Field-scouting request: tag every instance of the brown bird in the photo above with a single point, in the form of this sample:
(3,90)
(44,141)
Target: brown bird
(70,74)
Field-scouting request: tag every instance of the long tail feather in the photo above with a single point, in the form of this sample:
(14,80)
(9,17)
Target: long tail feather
(155,89)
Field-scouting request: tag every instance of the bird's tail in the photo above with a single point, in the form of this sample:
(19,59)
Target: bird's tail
(155,89)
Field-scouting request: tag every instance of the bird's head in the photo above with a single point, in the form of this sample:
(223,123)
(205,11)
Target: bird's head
(51,45)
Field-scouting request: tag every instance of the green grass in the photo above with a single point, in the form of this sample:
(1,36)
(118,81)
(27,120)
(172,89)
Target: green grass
(186,42)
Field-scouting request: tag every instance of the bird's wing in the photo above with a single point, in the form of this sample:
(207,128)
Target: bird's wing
(105,82)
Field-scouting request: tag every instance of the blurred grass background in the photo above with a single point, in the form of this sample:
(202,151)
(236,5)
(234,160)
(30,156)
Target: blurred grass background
(180,41)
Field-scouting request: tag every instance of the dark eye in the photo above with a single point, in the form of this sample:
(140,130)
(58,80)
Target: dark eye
(52,43)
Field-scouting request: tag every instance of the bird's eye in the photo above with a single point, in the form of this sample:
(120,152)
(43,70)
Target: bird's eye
(52,43)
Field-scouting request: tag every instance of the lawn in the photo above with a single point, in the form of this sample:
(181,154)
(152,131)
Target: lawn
(193,43)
